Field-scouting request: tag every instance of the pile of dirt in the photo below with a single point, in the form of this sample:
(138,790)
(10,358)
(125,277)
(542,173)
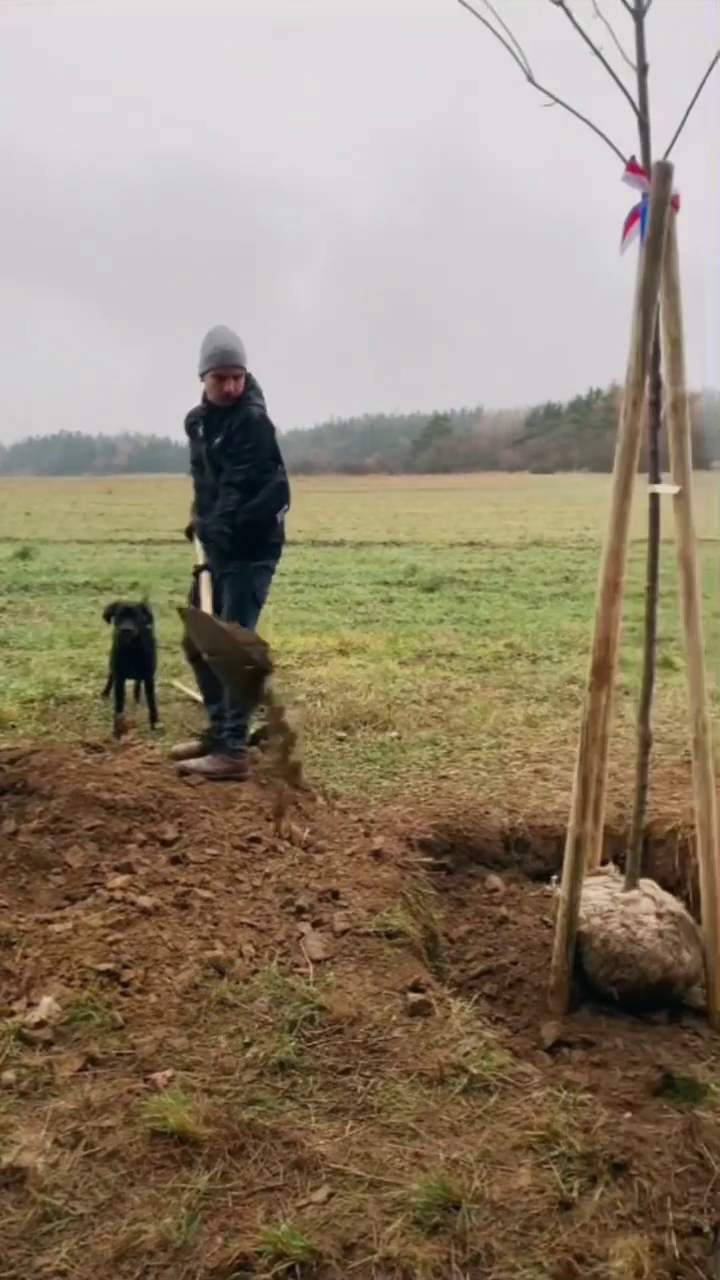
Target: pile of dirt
(228,1050)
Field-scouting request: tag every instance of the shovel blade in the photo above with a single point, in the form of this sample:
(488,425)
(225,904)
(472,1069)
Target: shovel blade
(239,657)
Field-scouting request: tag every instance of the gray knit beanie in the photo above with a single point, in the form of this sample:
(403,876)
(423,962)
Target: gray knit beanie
(221,349)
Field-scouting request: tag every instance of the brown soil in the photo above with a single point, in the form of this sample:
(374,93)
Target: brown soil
(320,1052)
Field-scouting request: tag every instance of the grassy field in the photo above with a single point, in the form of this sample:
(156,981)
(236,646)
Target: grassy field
(427,628)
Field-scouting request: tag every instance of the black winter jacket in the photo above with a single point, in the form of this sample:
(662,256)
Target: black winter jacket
(241,487)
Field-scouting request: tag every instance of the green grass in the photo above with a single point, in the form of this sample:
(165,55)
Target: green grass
(435,1202)
(285,1248)
(434,626)
(171,1114)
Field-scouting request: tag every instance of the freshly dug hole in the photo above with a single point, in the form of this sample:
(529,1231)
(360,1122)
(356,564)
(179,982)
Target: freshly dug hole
(640,948)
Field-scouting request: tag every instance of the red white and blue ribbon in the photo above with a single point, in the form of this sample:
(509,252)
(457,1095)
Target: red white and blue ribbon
(636,222)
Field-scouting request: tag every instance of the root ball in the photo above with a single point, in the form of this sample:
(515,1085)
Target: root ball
(641,948)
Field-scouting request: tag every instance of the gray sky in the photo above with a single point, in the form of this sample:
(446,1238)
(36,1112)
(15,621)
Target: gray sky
(365,189)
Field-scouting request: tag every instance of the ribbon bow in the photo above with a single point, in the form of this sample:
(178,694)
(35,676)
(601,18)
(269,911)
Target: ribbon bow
(636,222)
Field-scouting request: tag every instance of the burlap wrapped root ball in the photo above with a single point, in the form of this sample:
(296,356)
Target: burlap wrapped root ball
(641,948)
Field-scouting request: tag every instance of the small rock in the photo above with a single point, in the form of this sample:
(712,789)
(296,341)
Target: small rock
(247,951)
(495,886)
(377,848)
(126,867)
(9,827)
(316,947)
(69,1066)
(75,858)
(25,1161)
(167,835)
(341,923)
(107,970)
(8,1079)
(551,1034)
(118,884)
(146,904)
(321,1195)
(419,1004)
(62,926)
(503,914)
(218,961)
(39,1037)
(301,907)
(160,1080)
(46,1011)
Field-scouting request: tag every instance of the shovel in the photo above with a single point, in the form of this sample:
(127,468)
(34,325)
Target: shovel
(239,658)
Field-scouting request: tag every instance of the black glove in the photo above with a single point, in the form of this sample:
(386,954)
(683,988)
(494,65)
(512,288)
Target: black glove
(189,531)
(212,538)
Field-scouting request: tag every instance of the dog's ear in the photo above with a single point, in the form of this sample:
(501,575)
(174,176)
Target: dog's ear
(110,611)
(146,613)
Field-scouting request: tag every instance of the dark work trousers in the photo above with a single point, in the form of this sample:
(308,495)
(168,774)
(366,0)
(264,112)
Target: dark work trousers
(239,595)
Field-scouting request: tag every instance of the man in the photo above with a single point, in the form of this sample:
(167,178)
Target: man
(241,497)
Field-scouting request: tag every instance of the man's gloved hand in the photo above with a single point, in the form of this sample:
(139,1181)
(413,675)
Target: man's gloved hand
(211,537)
(189,531)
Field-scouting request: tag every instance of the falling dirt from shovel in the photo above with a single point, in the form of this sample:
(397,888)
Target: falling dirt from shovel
(242,661)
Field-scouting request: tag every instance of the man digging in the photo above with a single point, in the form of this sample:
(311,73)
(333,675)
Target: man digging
(241,496)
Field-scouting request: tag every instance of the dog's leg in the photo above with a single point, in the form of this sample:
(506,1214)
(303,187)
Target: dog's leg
(151,702)
(108,685)
(138,690)
(118,722)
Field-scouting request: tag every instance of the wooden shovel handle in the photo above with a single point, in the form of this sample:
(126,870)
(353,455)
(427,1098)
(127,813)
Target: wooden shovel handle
(204,579)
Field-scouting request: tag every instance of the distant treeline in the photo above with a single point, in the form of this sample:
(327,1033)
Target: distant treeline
(574,435)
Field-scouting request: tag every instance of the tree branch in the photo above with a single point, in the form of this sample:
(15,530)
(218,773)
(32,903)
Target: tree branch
(563,6)
(520,58)
(613,34)
(689,109)
(510,35)
(521,61)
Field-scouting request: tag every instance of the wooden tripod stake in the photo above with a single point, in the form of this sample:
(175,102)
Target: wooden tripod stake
(680,449)
(591,763)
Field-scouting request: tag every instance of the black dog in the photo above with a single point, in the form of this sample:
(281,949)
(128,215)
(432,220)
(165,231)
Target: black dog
(133,656)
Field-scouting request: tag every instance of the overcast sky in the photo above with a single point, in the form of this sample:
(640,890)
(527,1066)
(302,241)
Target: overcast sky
(366,190)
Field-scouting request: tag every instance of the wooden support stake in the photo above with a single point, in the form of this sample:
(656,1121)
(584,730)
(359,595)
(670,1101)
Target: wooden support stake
(591,763)
(189,693)
(680,449)
(594,846)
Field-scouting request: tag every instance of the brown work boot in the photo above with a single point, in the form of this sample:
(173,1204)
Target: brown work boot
(216,768)
(192,749)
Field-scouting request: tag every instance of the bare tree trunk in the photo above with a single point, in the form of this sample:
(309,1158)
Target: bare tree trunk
(633,866)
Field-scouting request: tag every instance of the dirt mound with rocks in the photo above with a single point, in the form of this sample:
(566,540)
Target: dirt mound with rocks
(228,1049)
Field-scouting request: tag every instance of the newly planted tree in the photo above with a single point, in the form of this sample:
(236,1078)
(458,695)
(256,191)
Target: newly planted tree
(625,60)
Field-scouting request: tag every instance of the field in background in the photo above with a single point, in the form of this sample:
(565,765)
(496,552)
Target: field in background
(428,629)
